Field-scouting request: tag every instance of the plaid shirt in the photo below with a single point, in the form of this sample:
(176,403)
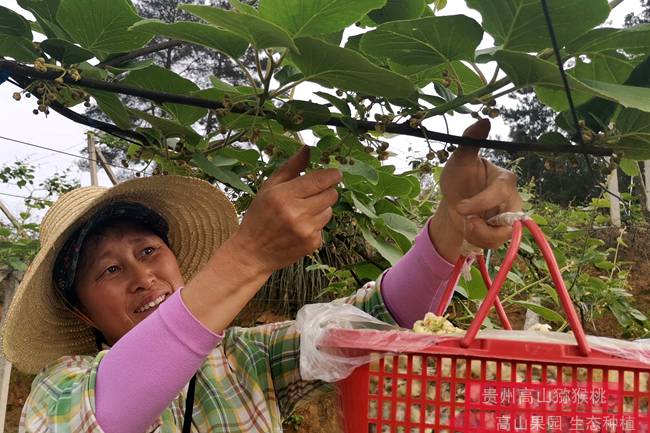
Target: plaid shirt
(249,383)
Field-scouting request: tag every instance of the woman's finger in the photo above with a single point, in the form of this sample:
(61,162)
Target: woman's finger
(317,203)
(479,233)
(499,191)
(323,218)
(291,168)
(479,130)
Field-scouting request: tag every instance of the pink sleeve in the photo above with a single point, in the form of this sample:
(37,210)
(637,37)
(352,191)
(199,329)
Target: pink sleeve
(143,372)
(415,284)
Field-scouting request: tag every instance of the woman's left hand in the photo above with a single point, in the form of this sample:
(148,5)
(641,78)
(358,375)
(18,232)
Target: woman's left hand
(473,190)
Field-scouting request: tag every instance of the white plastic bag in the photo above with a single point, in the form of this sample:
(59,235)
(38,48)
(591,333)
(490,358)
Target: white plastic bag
(315,320)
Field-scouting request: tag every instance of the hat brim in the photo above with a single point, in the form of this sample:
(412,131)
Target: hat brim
(38,328)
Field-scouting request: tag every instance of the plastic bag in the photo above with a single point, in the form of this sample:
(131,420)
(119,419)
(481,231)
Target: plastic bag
(638,350)
(330,364)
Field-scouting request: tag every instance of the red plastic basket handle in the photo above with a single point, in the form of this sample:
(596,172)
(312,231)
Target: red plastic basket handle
(453,280)
(495,287)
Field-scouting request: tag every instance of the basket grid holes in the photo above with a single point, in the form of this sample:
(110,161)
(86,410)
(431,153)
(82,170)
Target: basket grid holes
(418,393)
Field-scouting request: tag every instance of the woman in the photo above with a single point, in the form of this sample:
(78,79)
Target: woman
(133,289)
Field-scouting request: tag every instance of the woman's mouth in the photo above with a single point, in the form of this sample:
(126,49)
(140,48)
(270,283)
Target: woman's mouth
(153,304)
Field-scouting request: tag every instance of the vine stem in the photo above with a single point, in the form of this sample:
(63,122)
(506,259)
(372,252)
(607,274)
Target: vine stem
(247,73)
(25,75)
(117,61)
(479,72)
(462,100)
(505,92)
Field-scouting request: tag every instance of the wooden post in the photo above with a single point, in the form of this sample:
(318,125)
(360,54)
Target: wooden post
(106,167)
(646,184)
(9,280)
(614,203)
(92,156)
(12,219)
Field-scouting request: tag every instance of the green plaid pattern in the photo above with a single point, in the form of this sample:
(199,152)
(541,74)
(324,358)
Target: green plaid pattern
(249,383)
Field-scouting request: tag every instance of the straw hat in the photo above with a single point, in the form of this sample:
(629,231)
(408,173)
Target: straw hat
(38,328)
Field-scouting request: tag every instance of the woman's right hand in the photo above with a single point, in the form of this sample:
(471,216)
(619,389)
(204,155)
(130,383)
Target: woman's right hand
(285,220)
(282,224)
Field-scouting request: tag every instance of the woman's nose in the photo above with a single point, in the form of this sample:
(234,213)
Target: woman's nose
(142,278)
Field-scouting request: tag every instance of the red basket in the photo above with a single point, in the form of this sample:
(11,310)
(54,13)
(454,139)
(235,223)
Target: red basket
(489,385)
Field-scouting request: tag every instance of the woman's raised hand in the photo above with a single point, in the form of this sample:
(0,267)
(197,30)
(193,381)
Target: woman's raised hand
(473,190)
(285,220)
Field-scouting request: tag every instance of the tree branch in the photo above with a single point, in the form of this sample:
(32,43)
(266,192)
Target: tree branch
(22,72)
(120,60)
(109,128)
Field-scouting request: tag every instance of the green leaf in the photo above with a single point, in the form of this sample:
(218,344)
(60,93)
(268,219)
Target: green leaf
(111,105)
(347,70)
(609,67)
(66,52)
(45,13)
(196,33)
(44,8)
(397,10)
(338,103)
(462,74)
(169,128)
(366,209)
(243,7)
(627,96)
(525,70)
(367,271)
(392,185)
(221,174)
(512,276)
(605,265)
(18,265)
(101,26)
(363,170)
(519,25)
(638,315)
(633,39)
(634,128)
(546,313)
(163,80)
(553,138)
(425,41)
(248,157)
(314,18)
(256,30)
(400,224)
(18,48)
(630,167)
(298,115)
(13,24)
(475,287)
(387,251)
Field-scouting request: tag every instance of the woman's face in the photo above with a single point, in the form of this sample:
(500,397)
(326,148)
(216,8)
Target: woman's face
(124,274)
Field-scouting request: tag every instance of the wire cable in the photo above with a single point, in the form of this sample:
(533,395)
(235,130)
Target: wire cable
(25,197)
(74,155)
(567,91)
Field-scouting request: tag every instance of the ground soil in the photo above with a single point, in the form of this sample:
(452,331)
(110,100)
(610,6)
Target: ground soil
(321,415)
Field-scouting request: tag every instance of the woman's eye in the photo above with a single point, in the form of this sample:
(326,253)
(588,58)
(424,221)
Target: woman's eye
(148,251)
(111,270)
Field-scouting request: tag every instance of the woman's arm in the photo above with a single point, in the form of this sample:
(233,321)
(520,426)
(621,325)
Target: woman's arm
(149,366)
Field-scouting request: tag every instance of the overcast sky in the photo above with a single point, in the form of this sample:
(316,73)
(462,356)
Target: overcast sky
(56,132)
